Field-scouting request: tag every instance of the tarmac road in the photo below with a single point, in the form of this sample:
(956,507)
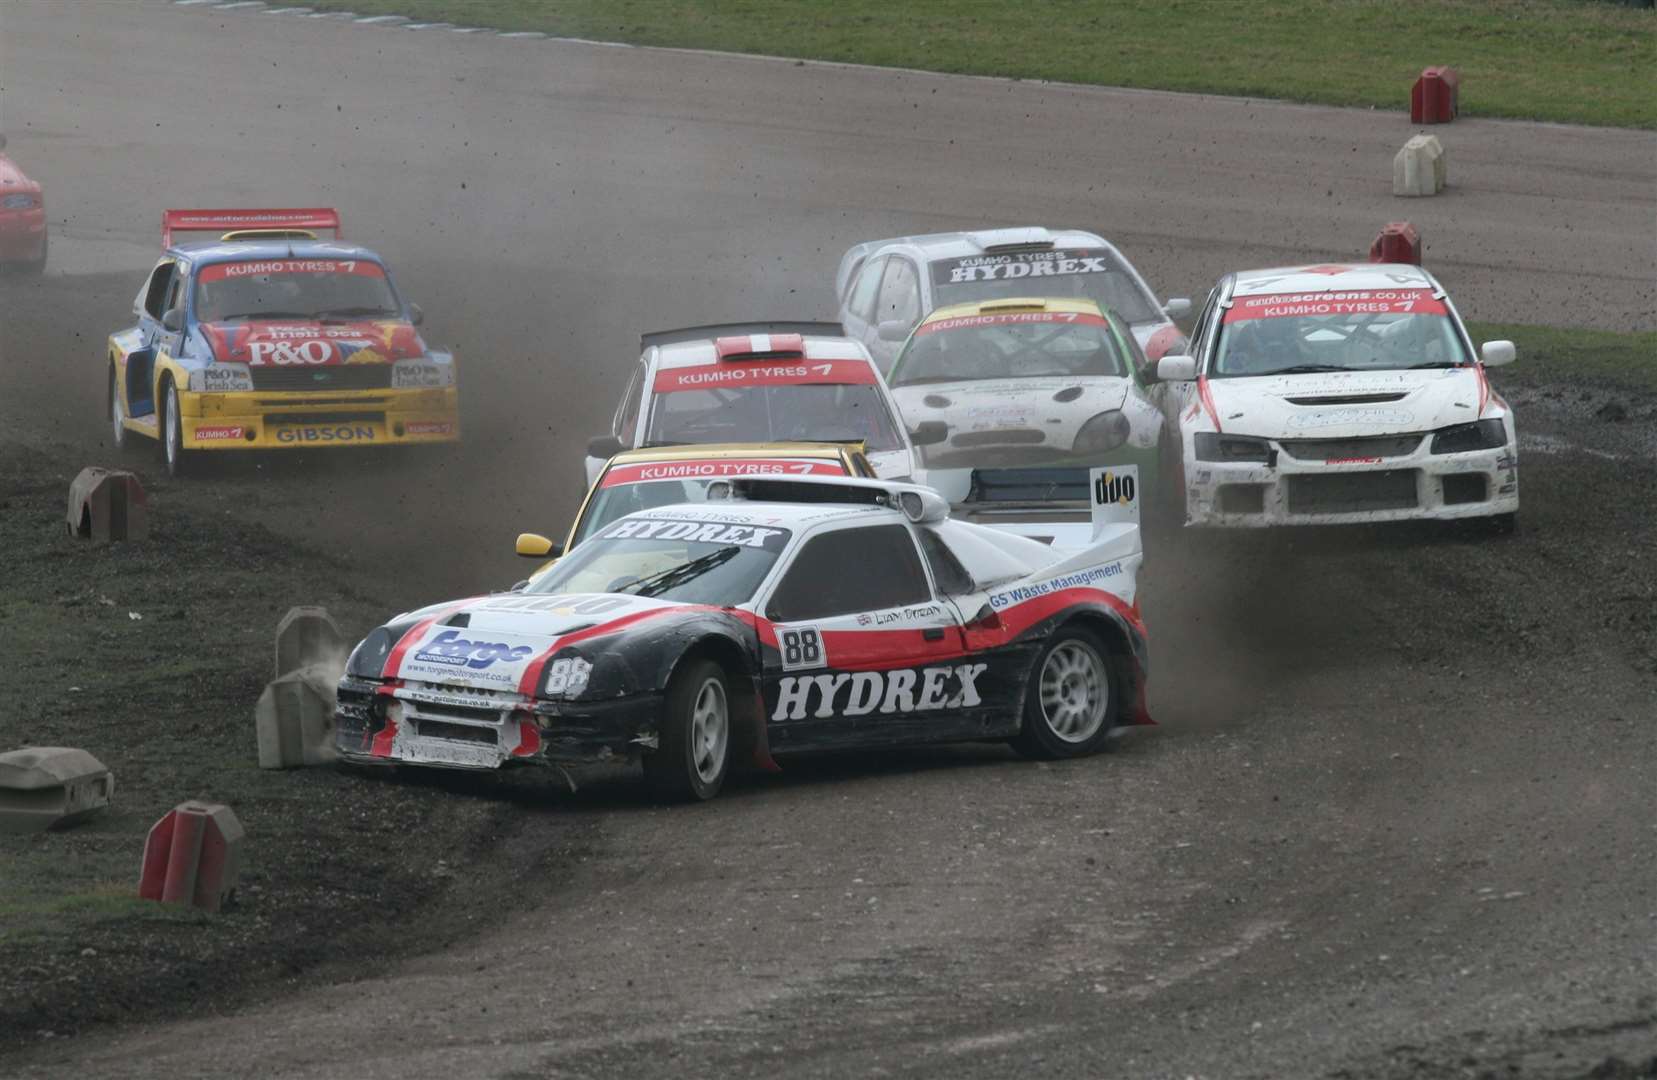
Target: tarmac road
(1398,820)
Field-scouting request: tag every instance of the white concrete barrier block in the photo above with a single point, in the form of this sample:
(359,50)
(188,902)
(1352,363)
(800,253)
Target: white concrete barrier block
(1419,168)
(294,718)
(308,636)
(42,787)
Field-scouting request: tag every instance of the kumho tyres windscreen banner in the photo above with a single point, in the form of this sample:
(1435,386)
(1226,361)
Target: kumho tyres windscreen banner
(1357,302)
(743,373)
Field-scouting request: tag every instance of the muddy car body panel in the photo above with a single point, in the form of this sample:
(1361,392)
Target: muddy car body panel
(939,649)
(23,229)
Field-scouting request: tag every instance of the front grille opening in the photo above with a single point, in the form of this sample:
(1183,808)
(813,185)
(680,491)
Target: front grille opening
(1242,498)
(1383,446)
(340,377)
(438,729)
(1353,492)
(1466,488)
(1347,399)
(326,417)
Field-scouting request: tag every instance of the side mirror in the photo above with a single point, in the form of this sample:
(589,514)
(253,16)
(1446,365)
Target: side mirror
(173,320)
(1176,369)
(1174,308)
(536,546)
(929,433)
(892,330)
(415,314)
(1497,353)
(604,446)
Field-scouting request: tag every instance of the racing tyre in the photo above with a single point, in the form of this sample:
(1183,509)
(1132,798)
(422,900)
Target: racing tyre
(1503,524)
(693,752)
(173,454)
(1070,703)
(117,416)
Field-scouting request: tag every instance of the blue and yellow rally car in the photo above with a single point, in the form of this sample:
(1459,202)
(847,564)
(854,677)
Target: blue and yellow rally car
(269,337)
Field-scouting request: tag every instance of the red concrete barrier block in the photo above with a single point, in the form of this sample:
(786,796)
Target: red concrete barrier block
(192,856)
(1436,96)
(1399,242)
(107,504)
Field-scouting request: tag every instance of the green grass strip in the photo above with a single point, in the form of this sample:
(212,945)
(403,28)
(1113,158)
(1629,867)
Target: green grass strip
(1562,355)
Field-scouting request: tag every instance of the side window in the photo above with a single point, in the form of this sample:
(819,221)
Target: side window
(175,295)
(863,293)
(848,571)
(947,571)
(161,283)
(626,423)
(900,293)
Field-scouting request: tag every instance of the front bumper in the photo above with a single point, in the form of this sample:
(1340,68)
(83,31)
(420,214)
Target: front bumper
(1290,490)
(458,728)
(291,420)
(22,235)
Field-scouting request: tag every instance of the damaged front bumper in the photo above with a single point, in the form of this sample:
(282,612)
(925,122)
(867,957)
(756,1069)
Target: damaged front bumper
(407,723)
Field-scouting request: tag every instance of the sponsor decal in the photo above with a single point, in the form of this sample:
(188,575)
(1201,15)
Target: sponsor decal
(1339,417)
(1011,318)
(1359,302)
(428,427)
(712,470)
(1076,580)
(560,604)
(697,532)
(1023,264)
(450,649)
(205,433)
(568,676)
(801,647)
(1352,461)
(219,378)
(288,344)
(233,270)
(420,377)
(745,373)
(861,693)
(325,433)
(1114,494)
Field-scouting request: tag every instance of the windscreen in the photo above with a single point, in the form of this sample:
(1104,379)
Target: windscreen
(1011,345)
(807,401)
(311,289)
(1368,330)
(688,559)
(1096,274)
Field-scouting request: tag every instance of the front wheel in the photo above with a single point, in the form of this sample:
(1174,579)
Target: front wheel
(117,414)
(1070,703)
(172,432)
(693,751)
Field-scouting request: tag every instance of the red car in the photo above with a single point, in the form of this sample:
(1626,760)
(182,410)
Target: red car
(22,217)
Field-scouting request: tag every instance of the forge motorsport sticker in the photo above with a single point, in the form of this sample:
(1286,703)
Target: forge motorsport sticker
(1024,264)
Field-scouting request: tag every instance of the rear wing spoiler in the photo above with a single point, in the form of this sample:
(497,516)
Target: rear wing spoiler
(719,330)
(257,223)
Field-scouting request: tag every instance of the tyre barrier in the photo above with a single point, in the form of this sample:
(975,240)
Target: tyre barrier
(107,504)
(1419,168)
(307,636)
(294,719)
(1399,242)
(1436,96)
(48,787)
(192,856)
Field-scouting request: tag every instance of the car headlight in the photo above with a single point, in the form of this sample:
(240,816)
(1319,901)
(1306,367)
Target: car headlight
(565,677)
(221,378)
(1106,431)
(1212,446)
(421,375)
(1479,435)
(368,659)
(20,201)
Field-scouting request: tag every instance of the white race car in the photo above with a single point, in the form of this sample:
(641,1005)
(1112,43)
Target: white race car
(1336,394)
(885,287)
(1034,394)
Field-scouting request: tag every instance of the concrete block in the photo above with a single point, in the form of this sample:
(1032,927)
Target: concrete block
(1398,242)
(306,636)
(44,787)
(107,504)
(294,718)
(192,856)
(1419,168)
(1436,96)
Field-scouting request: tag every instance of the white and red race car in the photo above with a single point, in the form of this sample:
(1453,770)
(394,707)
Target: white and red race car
(1337,394)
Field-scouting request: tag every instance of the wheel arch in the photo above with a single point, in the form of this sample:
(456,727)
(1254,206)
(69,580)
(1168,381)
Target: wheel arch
(747,710)
(1119,654)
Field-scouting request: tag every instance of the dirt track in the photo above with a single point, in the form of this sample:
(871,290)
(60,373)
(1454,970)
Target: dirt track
(1398,819)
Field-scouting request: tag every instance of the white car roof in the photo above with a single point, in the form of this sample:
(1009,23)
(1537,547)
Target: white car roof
(1331,277)
(696,353)
(958,245)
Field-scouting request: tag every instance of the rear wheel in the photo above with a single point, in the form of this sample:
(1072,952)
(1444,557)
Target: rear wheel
(1070,703)
(172,431)
(693,751)
(117,414)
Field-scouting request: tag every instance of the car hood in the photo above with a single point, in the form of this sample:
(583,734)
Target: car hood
(298,342)
(490,642)
(1348,404)
(1057,404)
(12,178)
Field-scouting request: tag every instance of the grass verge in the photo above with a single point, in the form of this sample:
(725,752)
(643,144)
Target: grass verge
(1576,61)
(1573,356)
